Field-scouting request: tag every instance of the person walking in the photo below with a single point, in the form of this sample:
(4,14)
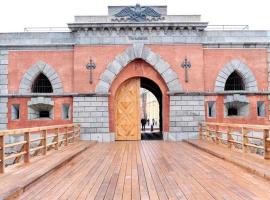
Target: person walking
(143,122)
(152,125)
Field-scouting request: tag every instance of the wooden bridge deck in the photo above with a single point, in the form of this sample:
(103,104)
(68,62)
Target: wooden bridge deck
(148,170)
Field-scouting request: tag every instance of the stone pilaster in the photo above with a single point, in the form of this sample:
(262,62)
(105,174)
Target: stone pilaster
(268,51)
(3,88)
(185,114)
(93,115)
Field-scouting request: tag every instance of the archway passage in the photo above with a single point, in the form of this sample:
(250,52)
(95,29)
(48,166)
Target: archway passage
(153,130)
(144,71)
(128,110)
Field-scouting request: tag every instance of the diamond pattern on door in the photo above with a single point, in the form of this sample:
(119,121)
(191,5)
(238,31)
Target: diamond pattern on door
(127,110)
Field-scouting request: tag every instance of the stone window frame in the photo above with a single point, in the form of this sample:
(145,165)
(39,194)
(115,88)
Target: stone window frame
(32,73)
(213,109)
(37,104)
(261,109)
(238,101)
(242,69)
(15,108)
(64,106)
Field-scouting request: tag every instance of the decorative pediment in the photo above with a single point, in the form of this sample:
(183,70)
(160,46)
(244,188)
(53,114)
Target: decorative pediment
(137,14)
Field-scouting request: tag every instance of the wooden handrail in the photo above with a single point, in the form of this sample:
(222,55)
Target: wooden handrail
(250,126)
(47,136)
(34,129)
(237,135)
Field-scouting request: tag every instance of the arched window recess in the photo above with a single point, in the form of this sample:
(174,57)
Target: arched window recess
(42,84)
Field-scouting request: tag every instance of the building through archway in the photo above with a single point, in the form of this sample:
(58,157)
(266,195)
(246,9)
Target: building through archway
(151,109)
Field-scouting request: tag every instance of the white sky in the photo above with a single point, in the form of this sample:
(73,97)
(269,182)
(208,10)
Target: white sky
(17,14)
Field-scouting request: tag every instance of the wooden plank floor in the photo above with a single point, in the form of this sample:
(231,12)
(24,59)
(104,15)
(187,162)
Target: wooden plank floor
(18,177)
(250,161)
(148,170)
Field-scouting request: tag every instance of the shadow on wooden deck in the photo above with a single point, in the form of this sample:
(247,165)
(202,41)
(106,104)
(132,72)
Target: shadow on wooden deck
(17,178)
(251,162)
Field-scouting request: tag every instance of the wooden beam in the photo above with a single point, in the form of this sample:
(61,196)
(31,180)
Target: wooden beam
(266,144)
(244,140)
(229,137)
(27,147)
(44,135)
(2,153)
(57,138)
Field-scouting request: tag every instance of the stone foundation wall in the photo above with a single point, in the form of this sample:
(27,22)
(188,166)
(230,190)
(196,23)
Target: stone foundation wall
(185,114)
(3,88)
(3,113)
(93,115)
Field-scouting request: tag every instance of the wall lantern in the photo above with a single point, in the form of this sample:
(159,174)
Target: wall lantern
(90,66)
(186,64)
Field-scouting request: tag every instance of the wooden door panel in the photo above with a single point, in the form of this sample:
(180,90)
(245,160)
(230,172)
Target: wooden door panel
(127,111)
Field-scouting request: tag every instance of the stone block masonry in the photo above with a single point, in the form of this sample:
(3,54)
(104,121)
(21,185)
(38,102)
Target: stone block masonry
(268,63)
(185,114)
(3,88)
(92,114)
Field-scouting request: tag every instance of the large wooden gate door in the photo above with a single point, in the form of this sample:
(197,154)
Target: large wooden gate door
(127,110)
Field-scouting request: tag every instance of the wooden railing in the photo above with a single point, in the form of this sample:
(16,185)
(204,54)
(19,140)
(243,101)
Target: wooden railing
(246,137)
(30,142)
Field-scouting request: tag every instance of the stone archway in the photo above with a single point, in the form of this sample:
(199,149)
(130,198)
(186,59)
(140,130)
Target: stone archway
(138,51)
(242,69)
(140,69)
(31,74)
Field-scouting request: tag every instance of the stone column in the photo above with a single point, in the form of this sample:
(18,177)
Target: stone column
(93,115)
(3,88)
(186,112)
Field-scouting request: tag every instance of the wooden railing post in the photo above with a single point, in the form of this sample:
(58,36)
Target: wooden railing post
(217,134)
(66,133)
(2,153)
(27,147)
(229,137)
(44,141)
(266,144)
(200,131)
(79,131)
(57,138)
(244,139)
(73,133)
(207,132)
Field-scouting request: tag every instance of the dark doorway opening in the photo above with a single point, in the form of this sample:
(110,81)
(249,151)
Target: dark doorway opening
(152,132)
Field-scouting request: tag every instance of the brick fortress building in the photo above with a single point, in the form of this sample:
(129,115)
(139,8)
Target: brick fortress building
(92,74)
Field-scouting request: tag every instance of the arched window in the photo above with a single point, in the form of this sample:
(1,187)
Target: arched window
(234,82)
(42,85)
(232,111)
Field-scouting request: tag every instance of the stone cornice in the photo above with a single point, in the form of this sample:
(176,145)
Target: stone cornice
(127,26)
(173,93)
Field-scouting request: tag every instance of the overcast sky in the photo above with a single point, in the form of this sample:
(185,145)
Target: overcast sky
(15,15)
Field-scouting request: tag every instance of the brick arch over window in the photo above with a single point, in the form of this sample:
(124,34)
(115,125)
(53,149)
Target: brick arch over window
(138,51)
(242,69)
(31,74)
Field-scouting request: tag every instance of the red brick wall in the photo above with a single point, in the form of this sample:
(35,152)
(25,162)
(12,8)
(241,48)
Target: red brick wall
(206,64)
(255,59)
(175,55)
(101,55)
(252,117)
(21,61)
(23,122)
